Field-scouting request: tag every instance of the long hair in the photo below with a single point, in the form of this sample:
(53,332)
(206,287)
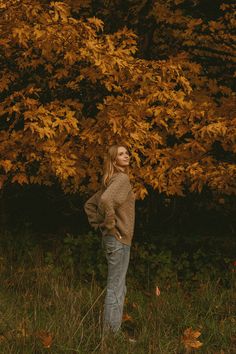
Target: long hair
(110,167)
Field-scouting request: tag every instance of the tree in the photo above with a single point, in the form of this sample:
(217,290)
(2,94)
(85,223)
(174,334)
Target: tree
(69,90)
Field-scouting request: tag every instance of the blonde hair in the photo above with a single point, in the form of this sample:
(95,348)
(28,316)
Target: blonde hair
(109,167)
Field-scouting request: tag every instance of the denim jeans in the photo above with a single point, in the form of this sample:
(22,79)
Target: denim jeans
(117,255)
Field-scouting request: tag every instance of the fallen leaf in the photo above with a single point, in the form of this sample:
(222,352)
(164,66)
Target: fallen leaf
(127,317)
(189,339)
(2,338)
(158,292)
(45,338)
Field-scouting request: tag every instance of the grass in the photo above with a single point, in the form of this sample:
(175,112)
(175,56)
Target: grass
(46,309)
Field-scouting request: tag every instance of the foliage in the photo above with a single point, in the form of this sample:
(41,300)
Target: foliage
(198,29)
(205,37)
(150,263)
(68,90)
(83,254)
(161,263)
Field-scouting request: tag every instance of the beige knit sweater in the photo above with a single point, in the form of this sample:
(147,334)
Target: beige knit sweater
(112,210)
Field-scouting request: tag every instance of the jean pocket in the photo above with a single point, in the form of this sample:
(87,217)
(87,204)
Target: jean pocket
(111,244)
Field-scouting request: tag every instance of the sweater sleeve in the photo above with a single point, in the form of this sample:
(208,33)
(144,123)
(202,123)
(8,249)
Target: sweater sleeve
(90,208)
(115,194)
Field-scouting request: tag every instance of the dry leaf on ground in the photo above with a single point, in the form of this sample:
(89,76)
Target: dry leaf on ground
(189,339)
(158,292)
(127,317)
(45,338)
(2,338)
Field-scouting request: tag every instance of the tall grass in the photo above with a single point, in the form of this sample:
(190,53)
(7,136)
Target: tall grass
(44,310)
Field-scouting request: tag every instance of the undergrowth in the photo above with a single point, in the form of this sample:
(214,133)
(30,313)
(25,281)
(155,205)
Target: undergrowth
(52,294)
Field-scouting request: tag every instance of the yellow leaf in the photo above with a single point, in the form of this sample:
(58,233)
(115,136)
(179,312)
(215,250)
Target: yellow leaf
(143,193)
(39,34)
(20,178)
(70,57)
(189,339)
(96,22)
(61,10)
(137,158)
(7,165)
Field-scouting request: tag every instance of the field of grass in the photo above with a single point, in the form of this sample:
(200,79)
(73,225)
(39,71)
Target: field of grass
(46,309)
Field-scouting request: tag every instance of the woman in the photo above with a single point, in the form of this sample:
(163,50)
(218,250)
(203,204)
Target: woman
(112,211)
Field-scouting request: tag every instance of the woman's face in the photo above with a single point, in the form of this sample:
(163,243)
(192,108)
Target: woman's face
(123,158)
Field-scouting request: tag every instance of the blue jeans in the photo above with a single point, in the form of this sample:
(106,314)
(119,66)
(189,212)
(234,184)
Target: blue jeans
(117,255)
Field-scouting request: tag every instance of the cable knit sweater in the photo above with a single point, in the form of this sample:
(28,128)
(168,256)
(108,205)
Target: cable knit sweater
(112,209)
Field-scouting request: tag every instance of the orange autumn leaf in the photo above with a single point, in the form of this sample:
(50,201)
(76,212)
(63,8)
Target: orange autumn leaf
(127,317)
(2,338)
(189,339)
(45,338)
